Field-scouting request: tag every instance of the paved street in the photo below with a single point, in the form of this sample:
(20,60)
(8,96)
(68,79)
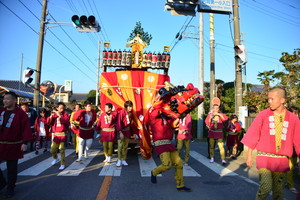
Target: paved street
(92,179)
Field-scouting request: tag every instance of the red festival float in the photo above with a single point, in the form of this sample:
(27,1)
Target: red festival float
(131,80)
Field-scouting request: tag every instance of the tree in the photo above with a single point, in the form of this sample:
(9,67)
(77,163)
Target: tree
(91,96)
(145,36)
(291,79)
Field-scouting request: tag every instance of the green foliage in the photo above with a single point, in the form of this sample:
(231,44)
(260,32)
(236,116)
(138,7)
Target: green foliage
(91,96)
(145,36)
(289,79)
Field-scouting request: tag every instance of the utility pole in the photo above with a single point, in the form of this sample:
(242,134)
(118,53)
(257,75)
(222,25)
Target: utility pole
(98,74)
(212,58)
(36,97)
(201,76)
(238,67)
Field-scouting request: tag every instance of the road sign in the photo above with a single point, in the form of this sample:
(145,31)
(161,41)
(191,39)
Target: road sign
(68,85)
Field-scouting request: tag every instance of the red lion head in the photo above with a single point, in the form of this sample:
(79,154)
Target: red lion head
(178,101)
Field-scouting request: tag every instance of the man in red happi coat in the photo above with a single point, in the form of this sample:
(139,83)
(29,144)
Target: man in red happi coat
(15,132)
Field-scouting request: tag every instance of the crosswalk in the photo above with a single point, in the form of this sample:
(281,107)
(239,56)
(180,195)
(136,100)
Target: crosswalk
(110,169)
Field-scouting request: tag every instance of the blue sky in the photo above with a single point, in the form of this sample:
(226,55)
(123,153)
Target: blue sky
(269,29)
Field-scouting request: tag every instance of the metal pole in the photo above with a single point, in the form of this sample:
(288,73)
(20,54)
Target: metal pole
(36,97)
(59,91)
(238,68)
(201,77)
(21,71)
(212,58)
(98,74)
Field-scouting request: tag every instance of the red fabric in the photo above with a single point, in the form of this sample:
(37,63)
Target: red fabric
(79,116)
(141,91)
(74,128)
(109,136)
(124,122)
(18,131)
(216,132)
(258,137)
(185,124)
(46,126)
(161,130)
(64,120)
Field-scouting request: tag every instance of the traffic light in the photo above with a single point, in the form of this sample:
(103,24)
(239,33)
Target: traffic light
(27,76)
(85,24)
(182,7)
(241,54)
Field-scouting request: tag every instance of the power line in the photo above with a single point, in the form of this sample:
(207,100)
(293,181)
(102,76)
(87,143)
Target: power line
(271,14)
(45,39)
(288,4)
(61,40)
(182,31)
(73,41)
(277,11)
(105,36)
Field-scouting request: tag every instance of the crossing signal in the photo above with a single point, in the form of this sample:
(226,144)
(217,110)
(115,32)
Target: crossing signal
(85,24)
(27,79)
(241,54)
(180,7)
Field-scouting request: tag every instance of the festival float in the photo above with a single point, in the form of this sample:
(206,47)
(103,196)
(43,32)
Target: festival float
(127,75)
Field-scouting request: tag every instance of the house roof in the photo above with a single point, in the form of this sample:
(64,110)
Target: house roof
(16,85)
(78,97)
(257,88)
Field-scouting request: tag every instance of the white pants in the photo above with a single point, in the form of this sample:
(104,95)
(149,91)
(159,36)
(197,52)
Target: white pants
(88,144)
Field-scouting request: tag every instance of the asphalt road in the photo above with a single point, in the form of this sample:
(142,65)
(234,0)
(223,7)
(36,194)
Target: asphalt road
(92,179)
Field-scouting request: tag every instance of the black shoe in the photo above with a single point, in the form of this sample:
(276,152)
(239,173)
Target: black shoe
(153,178)
(45,150)
(9,194)
(184,189)
(36,152)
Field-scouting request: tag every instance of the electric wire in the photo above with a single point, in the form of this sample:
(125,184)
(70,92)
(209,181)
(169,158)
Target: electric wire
(284,3)
(182,31)
(92,39)
(63,42)
(105,35)
(270,14)
(179,31)
(44,39)
(277,11)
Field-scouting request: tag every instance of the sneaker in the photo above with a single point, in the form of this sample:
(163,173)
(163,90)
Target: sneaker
(186,164)
(124,163)
(108,159)
(184,189)
(105,159)
(9,193)
(294,190)
(55,161)
(36,152)
(78,160)
(61,167)
(153,178)
(119,163)
(45,150)
(212,160)
(224,162)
